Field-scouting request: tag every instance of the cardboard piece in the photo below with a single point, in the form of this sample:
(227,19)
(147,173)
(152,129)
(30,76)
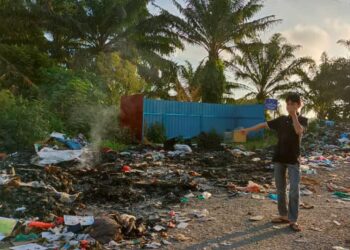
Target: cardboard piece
(239,137)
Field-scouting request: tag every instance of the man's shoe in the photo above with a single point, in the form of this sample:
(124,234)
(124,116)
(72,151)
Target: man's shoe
(280,220)
(295,227)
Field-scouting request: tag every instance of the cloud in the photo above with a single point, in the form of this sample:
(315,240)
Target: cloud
(313,39)
(340,28)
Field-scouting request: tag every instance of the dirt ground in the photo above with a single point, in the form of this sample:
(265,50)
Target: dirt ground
(230,227)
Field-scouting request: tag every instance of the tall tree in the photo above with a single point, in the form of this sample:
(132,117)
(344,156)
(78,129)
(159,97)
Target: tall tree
(345,43)
(188,86)
(119,75)
(89,27)
(269,68)
(329,90)
(216,26)
(22,47)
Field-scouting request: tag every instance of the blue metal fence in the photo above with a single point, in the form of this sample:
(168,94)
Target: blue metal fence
(188,119)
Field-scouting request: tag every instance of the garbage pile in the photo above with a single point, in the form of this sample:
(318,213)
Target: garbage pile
(127,196)
(59,148)
(326,148)
(69,196)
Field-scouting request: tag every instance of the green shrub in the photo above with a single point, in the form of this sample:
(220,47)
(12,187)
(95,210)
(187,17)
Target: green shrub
(156,133)
(22,122)
(209,141)
(70,95)
(313,126)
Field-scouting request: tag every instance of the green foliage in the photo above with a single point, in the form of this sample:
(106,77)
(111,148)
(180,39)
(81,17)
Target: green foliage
(65,92)
(19,25)
(313,126)
(20,68)
(156,133)
(209,141)
(119,75)
(114,145)
(269,68)
(329,91)
(21,122)
(213,81)
(188,85)
(217,26)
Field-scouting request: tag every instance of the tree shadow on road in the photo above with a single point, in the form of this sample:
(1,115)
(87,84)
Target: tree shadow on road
(242,238)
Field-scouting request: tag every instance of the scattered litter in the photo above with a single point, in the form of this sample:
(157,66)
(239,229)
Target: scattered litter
(165,242)
(252,187)
(126,169)
(26,237)
(342,195)
(239,152)
(20,209)
(204,196)
(49,156)
(336,222)
(317,229)
(306,192)
(153,245)
(182,225)
(190,195)
(180,150)
(31,246)
(50,237)
(339,248)
(162,181)
(40,225)
(258,197)
(306,205)
(200,213)
(273,197)
(71,220)
(256,218)
(181,237)
(7,225)
(158,228)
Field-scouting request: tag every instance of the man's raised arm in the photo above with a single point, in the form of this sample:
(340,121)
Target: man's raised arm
(259,126)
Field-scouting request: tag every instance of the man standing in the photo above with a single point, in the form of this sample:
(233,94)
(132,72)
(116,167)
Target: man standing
(286,157)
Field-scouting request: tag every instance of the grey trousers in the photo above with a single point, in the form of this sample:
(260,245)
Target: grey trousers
(281,185)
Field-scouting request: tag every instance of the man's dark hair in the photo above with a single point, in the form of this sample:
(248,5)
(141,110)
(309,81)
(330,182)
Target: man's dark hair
(293,97)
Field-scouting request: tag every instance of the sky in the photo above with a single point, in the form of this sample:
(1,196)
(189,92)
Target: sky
(316,25)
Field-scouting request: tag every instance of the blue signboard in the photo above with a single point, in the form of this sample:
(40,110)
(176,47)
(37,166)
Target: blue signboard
(271,104)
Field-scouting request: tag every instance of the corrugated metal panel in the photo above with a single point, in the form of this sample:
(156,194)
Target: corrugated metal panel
(131,114)
(189,119)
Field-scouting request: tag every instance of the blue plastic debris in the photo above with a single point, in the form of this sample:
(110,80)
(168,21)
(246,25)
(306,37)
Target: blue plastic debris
(329,123)
(273,197)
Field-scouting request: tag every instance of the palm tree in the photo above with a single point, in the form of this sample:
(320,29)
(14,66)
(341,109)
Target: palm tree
(345,43)
(89,27)
(187,86)
(269,68)
(216,26)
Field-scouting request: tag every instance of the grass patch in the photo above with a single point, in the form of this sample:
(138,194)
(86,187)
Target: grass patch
(269,139)
(116,146)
